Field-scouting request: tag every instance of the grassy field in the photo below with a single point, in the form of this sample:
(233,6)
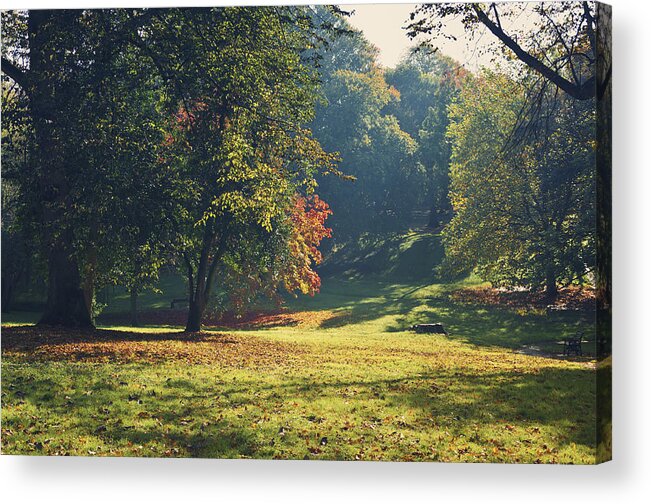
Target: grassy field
(338,376)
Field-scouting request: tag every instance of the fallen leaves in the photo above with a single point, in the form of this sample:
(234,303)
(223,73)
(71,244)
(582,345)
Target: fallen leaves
(338,394)
(240,351)
(569,298)
(249,320)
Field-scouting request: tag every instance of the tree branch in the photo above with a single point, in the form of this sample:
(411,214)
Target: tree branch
(16,74)
(579,91)
(211,272)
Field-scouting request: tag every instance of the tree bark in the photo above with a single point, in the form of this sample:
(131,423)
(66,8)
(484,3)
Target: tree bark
(604,165)
(195,314)
(551,290)
(578,90)
(198,297)
(66,299)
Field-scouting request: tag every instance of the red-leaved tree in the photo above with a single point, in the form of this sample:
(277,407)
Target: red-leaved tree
(308,216)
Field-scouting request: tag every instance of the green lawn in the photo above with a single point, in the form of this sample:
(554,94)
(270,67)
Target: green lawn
(337,377)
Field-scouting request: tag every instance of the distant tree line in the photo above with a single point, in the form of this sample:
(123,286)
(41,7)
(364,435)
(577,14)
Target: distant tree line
(389,127)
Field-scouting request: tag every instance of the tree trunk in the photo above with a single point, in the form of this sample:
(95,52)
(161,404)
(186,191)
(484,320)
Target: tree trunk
(134,307)
(604,166)
(200,291)
(551,290)
(66,299)
(195,314)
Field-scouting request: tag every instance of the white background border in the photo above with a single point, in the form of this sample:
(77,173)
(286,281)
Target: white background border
(626,479)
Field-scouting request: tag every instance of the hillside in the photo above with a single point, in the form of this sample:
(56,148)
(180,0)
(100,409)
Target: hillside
(395,257)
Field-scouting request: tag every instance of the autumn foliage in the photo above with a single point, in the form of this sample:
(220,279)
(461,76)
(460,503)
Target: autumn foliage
(308,216)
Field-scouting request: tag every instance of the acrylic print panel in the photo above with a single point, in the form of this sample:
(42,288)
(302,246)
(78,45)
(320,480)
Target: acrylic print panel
(376,232)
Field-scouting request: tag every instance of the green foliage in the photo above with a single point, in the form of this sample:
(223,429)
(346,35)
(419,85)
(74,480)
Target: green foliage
(524,211)
(389,127)
(374,150)
(160,133)
(427,83)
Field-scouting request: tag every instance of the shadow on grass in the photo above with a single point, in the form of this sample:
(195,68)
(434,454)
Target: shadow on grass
(174,418)
(491,326)
(474,324)
(185,417)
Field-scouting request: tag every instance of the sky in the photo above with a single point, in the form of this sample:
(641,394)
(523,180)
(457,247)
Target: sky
(383,24)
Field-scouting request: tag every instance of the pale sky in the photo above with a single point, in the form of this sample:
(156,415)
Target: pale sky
(382,25)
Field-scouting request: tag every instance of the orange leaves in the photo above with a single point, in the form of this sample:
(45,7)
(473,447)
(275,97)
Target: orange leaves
(308,216)
(35,344)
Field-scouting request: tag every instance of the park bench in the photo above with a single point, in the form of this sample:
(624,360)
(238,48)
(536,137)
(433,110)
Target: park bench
(604,346)
(178,301)
(573,345)
(429,328)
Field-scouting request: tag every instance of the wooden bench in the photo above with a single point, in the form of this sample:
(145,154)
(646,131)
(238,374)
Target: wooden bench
(573,345)
(178,301)
(604,346)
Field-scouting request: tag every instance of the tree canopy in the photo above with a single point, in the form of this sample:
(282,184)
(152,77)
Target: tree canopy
(207,128)
(228,143)
(524,214)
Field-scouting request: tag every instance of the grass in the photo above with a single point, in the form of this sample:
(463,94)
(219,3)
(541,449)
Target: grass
(338,376)
(395,256)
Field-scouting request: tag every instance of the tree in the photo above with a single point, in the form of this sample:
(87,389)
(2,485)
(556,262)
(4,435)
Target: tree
(523,216)
(103,88)
(139,207)
(16,243)
(240,147)
(375,152)
(343,47)
(427,83)
(263,263)
(568,45)
(61,60)
(559,41)
(15,246)
(45,40)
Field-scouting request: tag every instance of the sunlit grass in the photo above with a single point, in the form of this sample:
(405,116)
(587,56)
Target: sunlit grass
(350,384)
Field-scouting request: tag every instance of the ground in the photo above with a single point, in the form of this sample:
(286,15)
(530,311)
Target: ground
(337,376)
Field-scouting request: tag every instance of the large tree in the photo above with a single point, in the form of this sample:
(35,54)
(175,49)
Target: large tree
(567,44)
(557,40)
(244,94)
(48,80)
(523,216)
(138,100)
(62,61)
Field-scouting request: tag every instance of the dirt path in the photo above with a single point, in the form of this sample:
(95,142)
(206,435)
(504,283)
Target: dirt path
(535,350)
